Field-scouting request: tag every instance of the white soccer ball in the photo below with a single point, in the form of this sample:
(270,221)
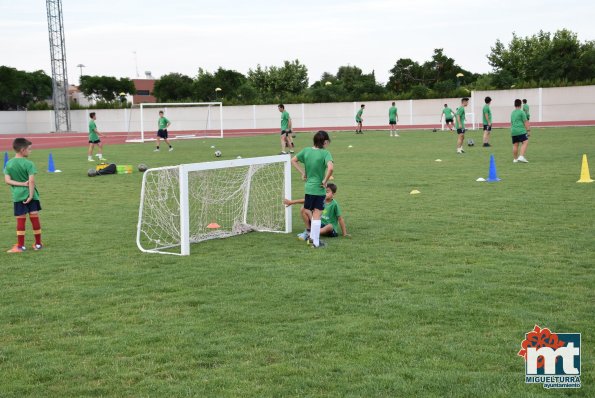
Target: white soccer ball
(218,153)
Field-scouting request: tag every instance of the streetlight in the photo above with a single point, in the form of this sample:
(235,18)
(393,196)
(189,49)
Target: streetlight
(459,75)
(217,92)
(81,66)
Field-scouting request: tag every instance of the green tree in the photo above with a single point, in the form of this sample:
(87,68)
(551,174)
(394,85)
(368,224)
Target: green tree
(105,88)
(229,81)
(173,87)
(20,89)
(275,83)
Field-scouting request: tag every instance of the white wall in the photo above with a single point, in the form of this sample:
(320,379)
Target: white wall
(547,105)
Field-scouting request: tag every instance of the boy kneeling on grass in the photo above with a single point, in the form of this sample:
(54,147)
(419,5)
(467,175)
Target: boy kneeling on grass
(331,216)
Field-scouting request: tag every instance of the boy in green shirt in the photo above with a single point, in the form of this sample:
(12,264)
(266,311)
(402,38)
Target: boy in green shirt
(162,125)
(520,131)
(393,118)
(359,120)
(448,117)
(94,135)
(487,121)
(460,124)
(526,109)
(19,173)
(286,135)
(318,169)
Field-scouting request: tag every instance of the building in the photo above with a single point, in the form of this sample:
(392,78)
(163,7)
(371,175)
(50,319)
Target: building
(144,89)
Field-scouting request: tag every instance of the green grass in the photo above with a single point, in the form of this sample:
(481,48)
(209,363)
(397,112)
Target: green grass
(431,296)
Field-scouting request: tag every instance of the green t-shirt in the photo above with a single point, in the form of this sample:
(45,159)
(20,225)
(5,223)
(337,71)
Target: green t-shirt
(92,134)
(517,122)
(285,120)
(447,113)
(162,123)
(461,113)
(19,169)
(358,116)
(488,110)
(315,161)
(331,214)
(526,109)
(392,114)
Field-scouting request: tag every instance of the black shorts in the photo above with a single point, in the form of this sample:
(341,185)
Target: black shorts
(448,121)
(286,132)
(528,117)
(519,138)
(487,127)
(332,234)
(392,122)
(20,208)
(162,134)
(461,131)
(312,202)
(94,142)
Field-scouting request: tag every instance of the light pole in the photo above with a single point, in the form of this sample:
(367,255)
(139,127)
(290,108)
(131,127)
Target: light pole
(459,75)
(81,66)
(217,92)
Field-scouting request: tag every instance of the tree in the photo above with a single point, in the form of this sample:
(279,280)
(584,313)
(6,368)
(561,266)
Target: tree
(229,81)
(274,83)
(173,87)
(19,89)
(105,88)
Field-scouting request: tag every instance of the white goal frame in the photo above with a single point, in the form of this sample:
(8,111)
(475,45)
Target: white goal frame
(184,170)
(165,105)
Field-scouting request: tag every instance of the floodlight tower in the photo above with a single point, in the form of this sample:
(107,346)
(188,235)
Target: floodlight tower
(59,72)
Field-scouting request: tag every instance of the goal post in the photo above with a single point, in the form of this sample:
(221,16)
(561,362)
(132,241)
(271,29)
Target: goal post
(188,120)
(191,203)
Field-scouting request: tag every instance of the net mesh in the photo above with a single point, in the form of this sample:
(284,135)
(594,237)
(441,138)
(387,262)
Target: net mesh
(222,203)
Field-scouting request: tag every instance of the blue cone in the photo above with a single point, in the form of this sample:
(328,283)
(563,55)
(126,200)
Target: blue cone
(51,167)
(493,175)
(5,160)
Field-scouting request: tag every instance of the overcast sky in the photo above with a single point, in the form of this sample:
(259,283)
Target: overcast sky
(116,38)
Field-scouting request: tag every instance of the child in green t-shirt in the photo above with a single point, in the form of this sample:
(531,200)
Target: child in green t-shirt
(520,130)
(460,124)
(19,173)
(448,117)
(359,120)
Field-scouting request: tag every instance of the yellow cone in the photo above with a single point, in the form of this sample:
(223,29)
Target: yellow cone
(414,192)
(585,176)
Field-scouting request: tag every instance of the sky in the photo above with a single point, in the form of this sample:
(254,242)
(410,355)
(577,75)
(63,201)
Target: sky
(125,38)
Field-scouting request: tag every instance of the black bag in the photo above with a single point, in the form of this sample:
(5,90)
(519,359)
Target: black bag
(109,169)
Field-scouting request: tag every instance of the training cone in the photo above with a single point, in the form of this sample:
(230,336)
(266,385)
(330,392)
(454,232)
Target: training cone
(585,176)
(5,160)
(493,175)
(51,167)
(213,225)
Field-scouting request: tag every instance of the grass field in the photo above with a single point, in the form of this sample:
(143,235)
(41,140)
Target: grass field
(431,296)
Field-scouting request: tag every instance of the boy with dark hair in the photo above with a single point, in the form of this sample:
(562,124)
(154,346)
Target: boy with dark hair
(359,120)
(448,117)
(94,135)
(162,124)
(487,122)
(318,169)
(393,118)
(460,124)
(520,130)
(19,173)
(526,109)
(286,136)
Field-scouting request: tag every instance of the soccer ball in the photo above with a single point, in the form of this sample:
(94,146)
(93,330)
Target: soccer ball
(218,153)
(142,167)
(470,142)
(433,130)
(92,172)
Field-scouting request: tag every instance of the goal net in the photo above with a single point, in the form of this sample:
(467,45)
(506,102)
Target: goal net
(188,120)
(191,203)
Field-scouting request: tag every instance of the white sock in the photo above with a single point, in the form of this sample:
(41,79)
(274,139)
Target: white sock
(315,232)
(99,155)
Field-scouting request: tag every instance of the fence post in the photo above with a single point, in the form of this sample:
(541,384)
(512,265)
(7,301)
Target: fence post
(540,103)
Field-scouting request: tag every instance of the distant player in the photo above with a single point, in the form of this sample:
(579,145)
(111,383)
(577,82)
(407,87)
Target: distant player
(526,109)
(448,117)
(487,122)
(359,120)
(520,131)
(19,173)
(393,118)
(318,169)
(286,135)
(460,124)
(162,125)
(94,140)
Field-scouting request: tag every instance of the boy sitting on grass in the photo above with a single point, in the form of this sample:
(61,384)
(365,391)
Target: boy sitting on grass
(331,216)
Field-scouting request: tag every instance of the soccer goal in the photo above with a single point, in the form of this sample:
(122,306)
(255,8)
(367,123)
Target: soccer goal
(191,203)
(188,120)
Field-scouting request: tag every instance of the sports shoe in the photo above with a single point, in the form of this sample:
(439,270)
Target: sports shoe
(522,159)
(90,159)
(282,153)
(37,246)
(16,249)
(515,160)
(303,236)
(397,135)
(321,245)
(155,150)
(486,144)
(291,151)
(98,155)
(460,150)
(171,148)
(102,159)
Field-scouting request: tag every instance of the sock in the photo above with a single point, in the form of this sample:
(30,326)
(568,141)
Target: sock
(21,231)
(170,146)
(100,156)
(315,233)
(157,146)
(36,228)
